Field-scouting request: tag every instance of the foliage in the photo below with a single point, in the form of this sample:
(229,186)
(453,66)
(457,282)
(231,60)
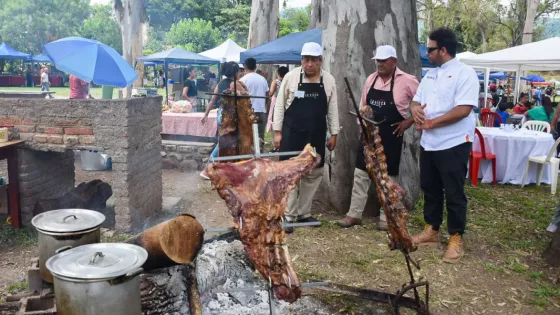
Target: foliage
(17,287)
(294,20)
(102,26)
(29,24)
(11,236)
(234,23)
(194,35)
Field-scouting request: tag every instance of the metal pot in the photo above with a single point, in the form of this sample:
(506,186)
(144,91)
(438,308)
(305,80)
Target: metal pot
(98,279)
(65,228)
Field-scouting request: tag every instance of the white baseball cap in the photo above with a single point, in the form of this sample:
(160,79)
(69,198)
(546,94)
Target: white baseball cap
(311,49)
(385,52)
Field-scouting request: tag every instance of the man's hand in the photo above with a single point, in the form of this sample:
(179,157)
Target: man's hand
(332,143)
(418,114)
(402,126)
(277,139)
(204,119)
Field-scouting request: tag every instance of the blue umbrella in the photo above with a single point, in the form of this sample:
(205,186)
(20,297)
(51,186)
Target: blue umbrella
(535,78)
(90,60)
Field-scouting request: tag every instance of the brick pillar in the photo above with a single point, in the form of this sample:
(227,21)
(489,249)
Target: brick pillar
(43,175)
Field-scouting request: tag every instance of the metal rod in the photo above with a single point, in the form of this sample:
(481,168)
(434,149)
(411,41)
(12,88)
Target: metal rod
(369,120)
(237,96)
(251,156)
(256,140)
(303,224)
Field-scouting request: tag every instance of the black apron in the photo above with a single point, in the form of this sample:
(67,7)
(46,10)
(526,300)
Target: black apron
(305,121)
(383,105)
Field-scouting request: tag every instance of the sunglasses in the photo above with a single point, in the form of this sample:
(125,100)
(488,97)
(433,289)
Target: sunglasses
(430,49)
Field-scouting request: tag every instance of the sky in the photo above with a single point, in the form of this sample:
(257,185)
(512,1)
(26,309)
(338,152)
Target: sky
(291,3)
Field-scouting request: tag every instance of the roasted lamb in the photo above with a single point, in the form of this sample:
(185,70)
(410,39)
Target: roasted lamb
(236,129)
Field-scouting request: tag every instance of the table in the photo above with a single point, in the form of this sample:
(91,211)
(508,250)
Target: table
(189,124)
(12,80)
(8,150)
(512,151)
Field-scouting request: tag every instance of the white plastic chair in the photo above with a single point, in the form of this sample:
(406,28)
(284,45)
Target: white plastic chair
(541,161)
(535,125)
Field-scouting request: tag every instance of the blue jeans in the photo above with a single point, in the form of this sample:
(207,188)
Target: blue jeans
(214,153)
(45,87)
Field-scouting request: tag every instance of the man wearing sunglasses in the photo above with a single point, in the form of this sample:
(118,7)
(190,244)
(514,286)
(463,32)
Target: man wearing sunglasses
(443,110)
(388,91)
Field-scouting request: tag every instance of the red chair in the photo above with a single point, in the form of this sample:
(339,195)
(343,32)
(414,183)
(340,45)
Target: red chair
(489,118)
(475,158)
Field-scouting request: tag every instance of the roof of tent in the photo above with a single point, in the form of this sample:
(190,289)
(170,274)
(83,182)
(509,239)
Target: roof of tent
(177,56)
(541,55)
(227,51)
(465,54)
(424,57)
(286,49)
(40,58)
(7,52)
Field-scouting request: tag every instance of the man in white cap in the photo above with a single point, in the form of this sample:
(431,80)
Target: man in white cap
(388,92)
(306,101)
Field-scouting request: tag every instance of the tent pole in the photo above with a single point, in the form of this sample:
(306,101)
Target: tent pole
(166,82)
(486,79)
(517,85)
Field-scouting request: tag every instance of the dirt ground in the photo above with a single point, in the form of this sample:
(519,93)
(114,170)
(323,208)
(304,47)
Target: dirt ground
(501,273)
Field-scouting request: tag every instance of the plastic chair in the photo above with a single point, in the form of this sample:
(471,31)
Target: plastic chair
(541,161)
(475,158)
(489,118)
(536,125)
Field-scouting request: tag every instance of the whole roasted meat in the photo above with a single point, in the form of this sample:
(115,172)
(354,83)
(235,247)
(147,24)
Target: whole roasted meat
(256,193)
(236,129)
(390,193)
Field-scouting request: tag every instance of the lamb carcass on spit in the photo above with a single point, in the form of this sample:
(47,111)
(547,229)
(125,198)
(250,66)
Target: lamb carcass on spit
(391,194)
(236,129)
(256,192)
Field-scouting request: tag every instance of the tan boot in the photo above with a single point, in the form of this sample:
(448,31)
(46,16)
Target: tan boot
(381,226)
(454,250)
(428,237)
(348,222)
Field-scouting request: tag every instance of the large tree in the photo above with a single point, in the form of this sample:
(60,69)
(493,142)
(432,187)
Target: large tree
(263,26)
(194,35)
(131,17)
(351,31)
(102,26)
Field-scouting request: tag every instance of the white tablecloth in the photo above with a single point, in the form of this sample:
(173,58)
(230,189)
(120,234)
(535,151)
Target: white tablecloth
(512,151)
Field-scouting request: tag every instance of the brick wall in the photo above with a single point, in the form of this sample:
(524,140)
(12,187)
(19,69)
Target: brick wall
(127,130)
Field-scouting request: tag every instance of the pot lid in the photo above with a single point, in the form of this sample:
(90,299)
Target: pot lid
(97,261)
(67,220)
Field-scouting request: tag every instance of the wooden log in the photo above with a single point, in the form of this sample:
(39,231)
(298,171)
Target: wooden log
(192,288)
(176,241)
(552,253)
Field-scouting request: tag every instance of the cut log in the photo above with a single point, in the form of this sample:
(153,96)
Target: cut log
(552,253)
(176,241)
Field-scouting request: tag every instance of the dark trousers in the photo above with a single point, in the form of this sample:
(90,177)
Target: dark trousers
(442,173)
(261,123)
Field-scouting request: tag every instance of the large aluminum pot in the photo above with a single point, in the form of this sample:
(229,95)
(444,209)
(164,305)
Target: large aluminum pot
(65,228)
(98,279)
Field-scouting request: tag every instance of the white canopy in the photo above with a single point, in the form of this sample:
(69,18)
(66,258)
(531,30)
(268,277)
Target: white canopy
(466,54)
(541,55)
(227,51)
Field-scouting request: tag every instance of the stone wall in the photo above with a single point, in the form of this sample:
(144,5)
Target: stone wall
(185,155)
(127,130)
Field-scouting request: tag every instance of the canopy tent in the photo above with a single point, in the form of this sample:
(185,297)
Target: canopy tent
(541,55)
(423,55)
(493,76)
(465,54)
(535,78)
(227,51)
(40,58)
(7,52)
(177,56)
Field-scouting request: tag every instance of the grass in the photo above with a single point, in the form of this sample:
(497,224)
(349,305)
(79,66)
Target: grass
(17,287)
(60,91)
(17,237)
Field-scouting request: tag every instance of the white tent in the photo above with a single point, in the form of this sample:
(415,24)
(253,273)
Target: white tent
(541,55)
(227,51)
(466,54)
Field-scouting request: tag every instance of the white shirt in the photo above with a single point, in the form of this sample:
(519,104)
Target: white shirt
(44,78)
(257,86)
(443,88)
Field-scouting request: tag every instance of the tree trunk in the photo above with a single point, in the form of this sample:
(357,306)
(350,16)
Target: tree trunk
(348,44)
(315,14)
(263,27)
(130,15)
(483,36)
(552,253)
(530,21)
(429,7)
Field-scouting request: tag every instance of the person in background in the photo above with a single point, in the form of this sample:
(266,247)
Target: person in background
(229,70)
(257,86)
(542,113)
(241,72)
(502,111)
(28,78)
(190,91)
(537,97)
(556,97)
(274,88)
(45,81)
(497,99)
(443,111)
(79,89)
(522,105)
(500,91)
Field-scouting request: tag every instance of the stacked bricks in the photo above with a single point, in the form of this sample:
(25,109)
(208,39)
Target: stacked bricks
(127,130)
(184,155)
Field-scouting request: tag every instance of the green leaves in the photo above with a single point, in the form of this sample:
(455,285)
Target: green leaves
(101,26)
(194,35)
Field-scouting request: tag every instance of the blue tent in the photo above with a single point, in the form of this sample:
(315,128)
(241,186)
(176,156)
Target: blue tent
(286,49)
(176,56)
(493,76)
(7,52)
(425,61)
(40,58)
(535,78)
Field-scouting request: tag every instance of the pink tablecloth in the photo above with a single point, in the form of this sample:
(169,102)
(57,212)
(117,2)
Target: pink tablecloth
(189,124)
